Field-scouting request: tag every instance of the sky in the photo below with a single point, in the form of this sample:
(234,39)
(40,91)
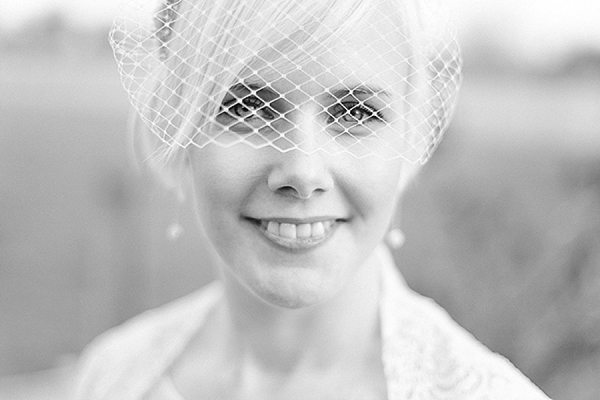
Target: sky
(547,28)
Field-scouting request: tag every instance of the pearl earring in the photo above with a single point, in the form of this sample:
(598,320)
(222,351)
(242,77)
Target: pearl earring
(395,238)
(175,229)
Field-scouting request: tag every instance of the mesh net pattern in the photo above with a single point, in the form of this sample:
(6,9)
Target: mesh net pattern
(360,77)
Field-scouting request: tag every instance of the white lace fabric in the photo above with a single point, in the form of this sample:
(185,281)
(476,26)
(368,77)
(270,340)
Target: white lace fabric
(425,354)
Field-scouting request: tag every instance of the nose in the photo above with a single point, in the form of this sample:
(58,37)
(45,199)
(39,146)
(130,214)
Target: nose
(303,171)
(300,175)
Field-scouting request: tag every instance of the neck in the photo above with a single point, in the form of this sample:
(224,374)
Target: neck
(342,330)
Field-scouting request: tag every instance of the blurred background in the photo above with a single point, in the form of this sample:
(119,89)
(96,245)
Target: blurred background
(503,226)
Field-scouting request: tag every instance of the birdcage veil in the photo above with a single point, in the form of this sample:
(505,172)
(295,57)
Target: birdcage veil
(223,72)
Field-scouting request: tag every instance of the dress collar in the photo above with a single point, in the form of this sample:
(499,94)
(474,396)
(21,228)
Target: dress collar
(399,342)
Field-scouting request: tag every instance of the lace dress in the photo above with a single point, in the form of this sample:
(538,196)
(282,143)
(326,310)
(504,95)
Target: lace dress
(425,354)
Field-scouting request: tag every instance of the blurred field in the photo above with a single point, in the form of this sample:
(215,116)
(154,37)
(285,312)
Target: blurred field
(503,226)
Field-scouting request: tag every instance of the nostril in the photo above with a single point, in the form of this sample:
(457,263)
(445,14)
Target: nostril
(288,190)
(300,175)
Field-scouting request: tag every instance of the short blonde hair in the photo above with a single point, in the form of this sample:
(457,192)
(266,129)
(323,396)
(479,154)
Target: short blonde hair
(205,58)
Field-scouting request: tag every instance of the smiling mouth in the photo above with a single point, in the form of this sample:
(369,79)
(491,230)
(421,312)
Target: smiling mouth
(297,236)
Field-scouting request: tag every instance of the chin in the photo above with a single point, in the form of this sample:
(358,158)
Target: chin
(295,290)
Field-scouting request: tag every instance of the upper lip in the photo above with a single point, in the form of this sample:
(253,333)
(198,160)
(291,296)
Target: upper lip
(298,221)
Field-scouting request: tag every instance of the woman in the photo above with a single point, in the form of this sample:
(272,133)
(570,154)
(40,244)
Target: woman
(294,127)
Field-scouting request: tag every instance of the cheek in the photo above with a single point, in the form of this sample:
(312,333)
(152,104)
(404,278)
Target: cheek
(223,180)
(375,187)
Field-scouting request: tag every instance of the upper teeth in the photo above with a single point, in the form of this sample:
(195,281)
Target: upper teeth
(297,231)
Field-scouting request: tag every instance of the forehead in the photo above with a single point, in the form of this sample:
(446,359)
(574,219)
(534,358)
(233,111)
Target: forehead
(372,51)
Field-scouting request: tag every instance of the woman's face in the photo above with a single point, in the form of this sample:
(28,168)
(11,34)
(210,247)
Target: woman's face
(293,227)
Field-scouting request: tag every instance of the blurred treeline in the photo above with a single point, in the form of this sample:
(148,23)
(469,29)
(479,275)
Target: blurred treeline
(503,225)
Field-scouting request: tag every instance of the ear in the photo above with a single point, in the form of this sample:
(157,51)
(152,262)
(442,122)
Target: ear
(182,174)
(175,172)
(169,163)
(409,173)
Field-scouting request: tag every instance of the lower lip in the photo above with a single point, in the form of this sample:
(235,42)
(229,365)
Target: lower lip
(295,244)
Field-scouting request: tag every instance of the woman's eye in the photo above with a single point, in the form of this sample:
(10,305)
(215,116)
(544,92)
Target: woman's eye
(352,113)
(250,107)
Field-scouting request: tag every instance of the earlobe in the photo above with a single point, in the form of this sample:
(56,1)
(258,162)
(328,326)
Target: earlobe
(180,172)
(407,176)
(169,163)
(186,176)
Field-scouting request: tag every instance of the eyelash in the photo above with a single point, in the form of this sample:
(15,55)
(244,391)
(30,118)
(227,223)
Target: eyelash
(340,110)
(252,105)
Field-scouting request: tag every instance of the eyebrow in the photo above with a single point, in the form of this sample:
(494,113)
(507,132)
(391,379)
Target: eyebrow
(360,90)
(247,87)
